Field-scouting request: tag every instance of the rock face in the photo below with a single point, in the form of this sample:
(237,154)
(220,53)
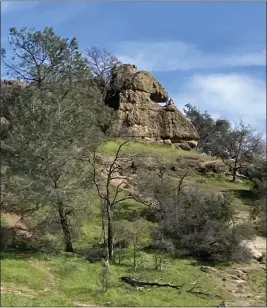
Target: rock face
(136,95)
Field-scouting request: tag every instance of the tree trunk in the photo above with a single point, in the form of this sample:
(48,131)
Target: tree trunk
(235,170)
(110,232)
(65,228)
(134,254)
(103,225)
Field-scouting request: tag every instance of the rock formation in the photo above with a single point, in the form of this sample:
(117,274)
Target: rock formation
(136,95)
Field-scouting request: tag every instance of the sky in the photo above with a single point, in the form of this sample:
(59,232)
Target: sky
(209,54)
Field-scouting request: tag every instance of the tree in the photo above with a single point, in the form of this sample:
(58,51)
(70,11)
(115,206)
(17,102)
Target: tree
(240,144)
(203,123)
(257,174)
(210,130)
(110,193)
(236,146)
(101,63)
(132,233)
(106,178)
(160,245)
(43,58)
(46,139)
(50,125)
(138,231)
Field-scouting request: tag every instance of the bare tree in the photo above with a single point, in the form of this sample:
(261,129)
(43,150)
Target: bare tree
(109,194)
(101,63)
(137,230)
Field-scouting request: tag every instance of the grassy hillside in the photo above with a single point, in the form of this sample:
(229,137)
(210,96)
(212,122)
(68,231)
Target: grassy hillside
(60,279)
(38,280)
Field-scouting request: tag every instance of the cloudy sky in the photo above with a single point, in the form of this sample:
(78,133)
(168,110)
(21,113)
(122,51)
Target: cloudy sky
(209,54)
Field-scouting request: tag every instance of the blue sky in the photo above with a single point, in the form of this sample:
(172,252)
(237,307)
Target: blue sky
(211,54)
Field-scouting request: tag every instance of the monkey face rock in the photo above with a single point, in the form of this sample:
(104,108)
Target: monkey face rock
(136,96)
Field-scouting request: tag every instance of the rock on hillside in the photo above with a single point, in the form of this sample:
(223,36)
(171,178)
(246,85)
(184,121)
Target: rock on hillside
(136,95)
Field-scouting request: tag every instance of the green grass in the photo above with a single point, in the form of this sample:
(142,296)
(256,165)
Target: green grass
(22,273)
(63,280)
(78,281)
(257,282)
(3,223)
(164,151)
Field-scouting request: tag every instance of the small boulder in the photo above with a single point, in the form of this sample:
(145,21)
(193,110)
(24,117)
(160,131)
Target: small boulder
(192,143)
(257,255)
(183,145)
(167,141)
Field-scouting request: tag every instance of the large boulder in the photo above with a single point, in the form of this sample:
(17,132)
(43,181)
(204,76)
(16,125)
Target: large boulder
(126,77)
(136,97)
(146,82)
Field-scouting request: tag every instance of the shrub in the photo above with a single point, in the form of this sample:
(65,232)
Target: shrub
(7,237)
(199,225)
(96,253)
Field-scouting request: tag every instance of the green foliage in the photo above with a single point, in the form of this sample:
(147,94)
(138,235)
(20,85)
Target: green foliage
(210,130)
(3,223)
(58,121)
(52,121)
(197,223)
(258,175)
(236,146)
(44,58)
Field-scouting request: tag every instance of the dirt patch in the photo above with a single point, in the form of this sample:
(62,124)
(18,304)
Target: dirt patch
(16,222)
(78,304)
(21,292)
(235,281)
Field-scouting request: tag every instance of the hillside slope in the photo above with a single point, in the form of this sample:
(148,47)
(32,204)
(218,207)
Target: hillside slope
(44,279)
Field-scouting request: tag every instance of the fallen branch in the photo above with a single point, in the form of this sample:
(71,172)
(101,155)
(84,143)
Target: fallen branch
(138,283)
(193,290)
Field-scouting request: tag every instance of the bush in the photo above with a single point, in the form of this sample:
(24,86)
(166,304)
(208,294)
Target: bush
(199,226)
(7,238)
(96,253)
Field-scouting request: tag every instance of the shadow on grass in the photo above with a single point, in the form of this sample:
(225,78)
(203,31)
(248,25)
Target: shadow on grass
(216,264)
(20,254)
(247,196)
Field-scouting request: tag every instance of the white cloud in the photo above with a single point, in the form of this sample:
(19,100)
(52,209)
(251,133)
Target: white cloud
(233,96)
(171,56)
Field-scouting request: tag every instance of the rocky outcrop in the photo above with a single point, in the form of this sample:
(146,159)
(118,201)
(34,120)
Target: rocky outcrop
(136,95)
